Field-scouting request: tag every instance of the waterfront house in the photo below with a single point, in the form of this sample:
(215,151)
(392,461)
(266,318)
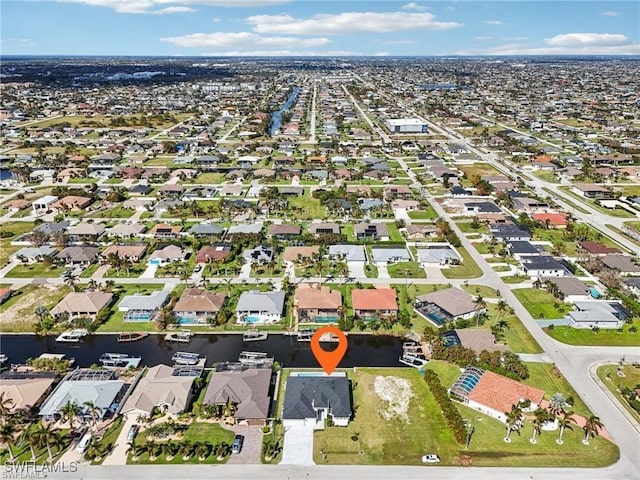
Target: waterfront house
(260,307)
(316,304)
(82,304)
(247,389)
(375,303)
(197,305)
(143,308)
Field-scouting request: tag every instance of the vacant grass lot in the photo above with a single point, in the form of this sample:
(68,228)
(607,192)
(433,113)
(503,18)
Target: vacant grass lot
(467,269)
(406,270)
(580,336)
(548,378)
(35,270)
(17,313)
(541,304)
(631,379)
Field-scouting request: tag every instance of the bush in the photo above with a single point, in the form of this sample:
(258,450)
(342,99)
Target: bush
(452,416)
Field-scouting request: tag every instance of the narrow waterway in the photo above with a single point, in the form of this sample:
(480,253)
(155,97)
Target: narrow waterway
(276,117)
(363,350)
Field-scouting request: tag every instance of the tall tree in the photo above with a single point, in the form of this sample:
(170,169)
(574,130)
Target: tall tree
(7,436)
(541,415)
(564,422)
(514,421)
(591,428)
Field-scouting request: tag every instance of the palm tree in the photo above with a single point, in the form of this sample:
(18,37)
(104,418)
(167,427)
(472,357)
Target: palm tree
(41,312)
(591,428)
(6,406)
(513,423)
(92,285)
(70,411)
(94,411)
(7,436)
(564,422)
(222,450)
(137,450)
(95,450)
(171,449)
(480,304)
(202,450)
(47,436)
(502,306)
(70,279)
(35,439)
(186,448)
(557,403)
(541,416)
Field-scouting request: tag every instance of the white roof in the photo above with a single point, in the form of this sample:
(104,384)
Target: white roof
(46,199)
(405,121)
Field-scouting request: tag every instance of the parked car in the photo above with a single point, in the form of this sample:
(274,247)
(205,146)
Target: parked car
(84,443)
(430,458)
(237,444)
(133,431)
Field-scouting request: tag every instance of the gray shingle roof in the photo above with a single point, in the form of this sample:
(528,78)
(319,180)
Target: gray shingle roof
(303,393)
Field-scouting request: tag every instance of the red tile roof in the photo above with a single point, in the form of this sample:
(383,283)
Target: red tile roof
(499,393)
(554,218)
(374,299)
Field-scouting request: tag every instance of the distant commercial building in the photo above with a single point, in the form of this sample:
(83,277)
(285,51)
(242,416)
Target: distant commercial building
(406,125)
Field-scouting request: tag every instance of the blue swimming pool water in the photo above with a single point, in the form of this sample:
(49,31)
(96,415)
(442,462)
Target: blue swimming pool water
(594,293)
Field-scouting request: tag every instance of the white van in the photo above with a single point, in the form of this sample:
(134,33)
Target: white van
(84,443)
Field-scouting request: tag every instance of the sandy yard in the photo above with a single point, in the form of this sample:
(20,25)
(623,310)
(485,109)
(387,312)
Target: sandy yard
(19,309)
(396,393)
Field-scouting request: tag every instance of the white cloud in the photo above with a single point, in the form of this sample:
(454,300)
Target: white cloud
(515,39)
(398,42)
(18,42)
(242,40)
(494,22)
(482,39)
(586,39)
(609,13)
(347,23)
(282,53)
(147,6)
(167,10)
(414,6)
(529,49)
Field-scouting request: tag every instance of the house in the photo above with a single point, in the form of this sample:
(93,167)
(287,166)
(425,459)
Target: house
(43,205)
(348,253)
(371,231)
(254,228)
(622,263)
(170,253)
(493,394)
(170,190)
(590,190)
(521,249)
(398,191)
(83,255)
(247,389)
(260,255)
(633,284)
(551,220)
(447,304)
(260,307)
(509,232)
(282,232)
(86,232)
(542,266)
(292,254)
(16,204)
(420,231)
(126,230)
(310,400)
(375,303)
(324,228)
(163,387)
(26,391)
(597,248)
(572,289)
(597,313)
(529,205)
(316,304)
(82,304)
(163,230)
(143,308)
(140,190)
(406,125)
(5,294)
(438,255)
(197,305)
(389,255)
(100,386)
(33,254)
(134,253)
(72,203)
(213,253)
(205,230)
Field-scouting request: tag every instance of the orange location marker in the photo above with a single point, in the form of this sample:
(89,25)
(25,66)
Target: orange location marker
(329,360)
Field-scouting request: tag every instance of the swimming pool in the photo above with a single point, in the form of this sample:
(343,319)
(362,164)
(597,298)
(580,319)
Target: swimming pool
(252,319)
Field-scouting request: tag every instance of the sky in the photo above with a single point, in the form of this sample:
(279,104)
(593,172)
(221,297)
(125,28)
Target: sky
(322,28)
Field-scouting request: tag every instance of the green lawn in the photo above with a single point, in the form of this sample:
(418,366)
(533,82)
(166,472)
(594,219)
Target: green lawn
(428,214)
(110,436)
(22,453)
(585,336)
(370,270)
(514,278)
(466,227)
(614,212)
(394,233)
(89,271)
(548,378)
(308,207)
(483,290)
(406,270)
(616,376)
(387,441)
(467,269)
(541,304)
(35,270)
(209,178)
(116,321)
(115,212)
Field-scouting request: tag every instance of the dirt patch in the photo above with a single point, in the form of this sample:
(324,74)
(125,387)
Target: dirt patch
(396,394)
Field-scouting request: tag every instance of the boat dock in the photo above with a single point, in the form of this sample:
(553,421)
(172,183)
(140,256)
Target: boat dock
(413,355)
(254,336)
(255,359)
(183,336)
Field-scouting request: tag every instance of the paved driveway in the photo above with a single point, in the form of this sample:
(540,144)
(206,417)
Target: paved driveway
(119,454)
(298,446)
(251,448)
(356,269)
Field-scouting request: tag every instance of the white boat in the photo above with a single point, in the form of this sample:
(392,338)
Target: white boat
(255,359)
(3,358)
(183,336)
(185,358)
(72,336)
(305,335)
(254,336)
(123,360)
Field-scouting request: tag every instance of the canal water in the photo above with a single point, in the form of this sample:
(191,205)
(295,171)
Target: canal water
(363,350)
(276,117)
